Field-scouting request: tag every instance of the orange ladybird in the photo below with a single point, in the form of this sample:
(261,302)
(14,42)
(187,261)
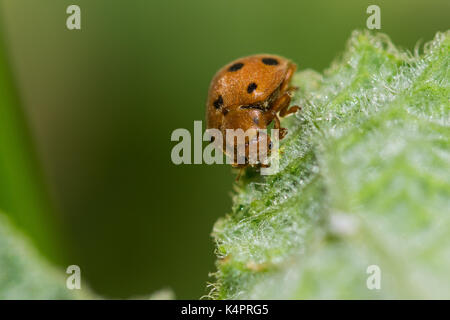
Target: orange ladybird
(250,93)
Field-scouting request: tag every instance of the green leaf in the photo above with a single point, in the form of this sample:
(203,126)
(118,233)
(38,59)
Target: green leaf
(364,180)
(24,274)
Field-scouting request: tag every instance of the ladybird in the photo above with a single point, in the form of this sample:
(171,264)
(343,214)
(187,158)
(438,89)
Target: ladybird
(250,93)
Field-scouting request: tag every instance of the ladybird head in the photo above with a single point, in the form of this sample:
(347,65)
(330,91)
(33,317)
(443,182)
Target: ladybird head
(253,149)
(244,134)
(258,148)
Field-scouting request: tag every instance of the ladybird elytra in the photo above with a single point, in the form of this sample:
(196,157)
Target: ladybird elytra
(250,93)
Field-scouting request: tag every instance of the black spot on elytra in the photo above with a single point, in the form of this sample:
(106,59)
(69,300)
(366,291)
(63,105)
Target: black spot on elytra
(270,61)
(218,102)
(256,120)
(225,112)
(236,67)
(251,87)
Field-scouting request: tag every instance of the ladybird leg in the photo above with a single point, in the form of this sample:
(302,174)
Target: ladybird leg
(283,131)
(282,105)
(285,111)
(291,90)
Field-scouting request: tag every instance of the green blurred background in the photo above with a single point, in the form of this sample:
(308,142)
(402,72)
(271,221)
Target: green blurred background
(85,145)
